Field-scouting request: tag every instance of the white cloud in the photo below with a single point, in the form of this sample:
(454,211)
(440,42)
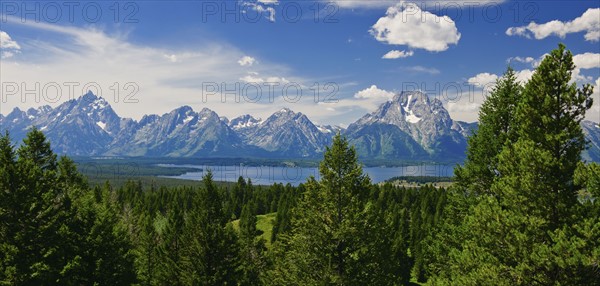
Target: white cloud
(6,55)
(6,42)
(8,46)
(171,57)
(587,60)
(422,69)
(588,22)
(463,104)
(253,77)
(594,112)
(483,79)
(378,4)
(353,107)
(246,61)
(406,24)
(395,54)
(167,78)
(524,76)
(374,92)
(369,4)
(463,107)
(526,60)
(262,6)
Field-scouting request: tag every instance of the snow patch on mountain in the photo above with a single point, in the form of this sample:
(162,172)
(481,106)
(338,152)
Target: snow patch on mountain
(101,125)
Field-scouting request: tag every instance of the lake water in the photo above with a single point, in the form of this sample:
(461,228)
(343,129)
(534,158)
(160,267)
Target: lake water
(267,175)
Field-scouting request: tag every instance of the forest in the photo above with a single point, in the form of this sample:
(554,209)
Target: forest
(522,210)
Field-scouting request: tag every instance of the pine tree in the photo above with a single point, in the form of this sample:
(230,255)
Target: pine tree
(9,215)
(211,254)
(496,127)
(171,249)
(549,115)
(530,232)
(282,223)
(332,237)
(40,207)
(53,231)
(147,252)
(252,248)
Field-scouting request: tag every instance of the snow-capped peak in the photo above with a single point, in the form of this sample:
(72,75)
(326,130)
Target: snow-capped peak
(244,121)
(99,104)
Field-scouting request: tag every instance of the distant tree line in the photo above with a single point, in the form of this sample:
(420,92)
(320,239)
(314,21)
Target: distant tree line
(420,179)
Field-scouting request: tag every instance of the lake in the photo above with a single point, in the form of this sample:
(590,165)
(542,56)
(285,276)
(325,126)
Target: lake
(267,175)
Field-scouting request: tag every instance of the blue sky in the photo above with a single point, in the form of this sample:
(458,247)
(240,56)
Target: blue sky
(160,55)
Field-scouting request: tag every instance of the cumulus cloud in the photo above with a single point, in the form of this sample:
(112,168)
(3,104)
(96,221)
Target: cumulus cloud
(406,24)
(365,100)
(263,7)
(587,60)
(395,54)
(588,22)
(373,92)
(524,76)
(246,61)
(8,46)
(483,79)
(594,112)
(6,42)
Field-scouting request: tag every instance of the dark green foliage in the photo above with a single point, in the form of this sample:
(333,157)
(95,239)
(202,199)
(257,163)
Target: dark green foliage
(53,230)
(518,220)
(496,120)
(343,230)
(211,252)
(253,249)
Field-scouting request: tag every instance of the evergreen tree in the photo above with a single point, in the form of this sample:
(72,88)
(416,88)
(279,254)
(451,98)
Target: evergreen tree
(282,223)
(9,214)
(331,238)
(171,251)
(549,116)
(496,127)
(527,232)
(102,247)
(211,254)
(252,248)
(40,208)
(53,231)
(147,253)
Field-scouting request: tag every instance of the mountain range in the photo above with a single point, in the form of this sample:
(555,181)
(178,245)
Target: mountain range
(411,126)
